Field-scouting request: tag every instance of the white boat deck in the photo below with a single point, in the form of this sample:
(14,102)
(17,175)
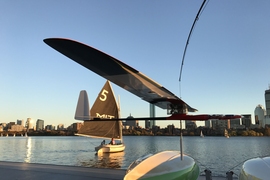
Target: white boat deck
(29,171)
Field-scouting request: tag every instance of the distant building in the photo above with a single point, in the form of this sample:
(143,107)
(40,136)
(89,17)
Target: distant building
(234,123)
(60,127)
(130,123)
(147,124)
(17,127)
(152,114)
(40,125)
(10,124)
(50,127)
(4,126)
(253,126)
(30,123)
(20,122)
(208,123)
(220,124)
(267,121)
(191,124)
(246,120)
(267,101)
(76,126)
(171,129)
(259,115)
(151,123)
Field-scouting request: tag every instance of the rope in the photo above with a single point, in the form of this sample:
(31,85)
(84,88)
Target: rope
(202,172)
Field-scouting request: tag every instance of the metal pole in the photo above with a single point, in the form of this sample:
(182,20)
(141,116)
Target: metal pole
(208,174)
(229,175)
(181,140)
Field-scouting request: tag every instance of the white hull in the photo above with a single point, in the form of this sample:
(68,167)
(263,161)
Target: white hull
(108,148)
(255,169)
(164,165)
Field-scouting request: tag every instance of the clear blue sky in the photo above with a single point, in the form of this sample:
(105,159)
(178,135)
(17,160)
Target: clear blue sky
(226,67)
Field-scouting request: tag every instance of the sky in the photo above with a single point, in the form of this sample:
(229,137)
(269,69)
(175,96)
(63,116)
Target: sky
(226,67)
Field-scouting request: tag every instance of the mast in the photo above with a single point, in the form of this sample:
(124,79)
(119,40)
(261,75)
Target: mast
(120,122)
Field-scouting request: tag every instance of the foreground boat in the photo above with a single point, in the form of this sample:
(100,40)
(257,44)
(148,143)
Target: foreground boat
(163,165)
(105,106)
(255,169)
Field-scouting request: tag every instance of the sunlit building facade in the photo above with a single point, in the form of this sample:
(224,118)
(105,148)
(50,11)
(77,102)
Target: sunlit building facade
(60,127)
(30,123)
(17,127)
(259,115)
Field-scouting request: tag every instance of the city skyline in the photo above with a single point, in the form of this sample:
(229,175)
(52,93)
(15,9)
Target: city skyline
(225,70)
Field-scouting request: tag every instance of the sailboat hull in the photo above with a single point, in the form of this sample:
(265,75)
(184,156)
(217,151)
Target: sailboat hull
(108,148)
(164,165)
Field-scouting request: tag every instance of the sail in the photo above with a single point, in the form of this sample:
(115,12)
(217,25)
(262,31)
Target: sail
(105,106)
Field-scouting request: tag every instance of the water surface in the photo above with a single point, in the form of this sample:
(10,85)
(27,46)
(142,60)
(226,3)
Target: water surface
(219,154)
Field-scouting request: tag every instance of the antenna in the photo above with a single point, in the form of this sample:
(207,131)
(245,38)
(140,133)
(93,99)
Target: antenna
(191,30)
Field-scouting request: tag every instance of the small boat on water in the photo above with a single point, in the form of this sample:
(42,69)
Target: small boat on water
(226,134)
(255,169)
(105,106)
(201,134)
(163,165)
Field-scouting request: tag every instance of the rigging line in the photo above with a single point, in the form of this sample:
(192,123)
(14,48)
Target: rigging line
(191,30)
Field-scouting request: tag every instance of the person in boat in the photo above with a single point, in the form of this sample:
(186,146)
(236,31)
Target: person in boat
(112,142)
(103,142)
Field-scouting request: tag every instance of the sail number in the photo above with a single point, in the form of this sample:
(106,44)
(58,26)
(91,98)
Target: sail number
(103,95)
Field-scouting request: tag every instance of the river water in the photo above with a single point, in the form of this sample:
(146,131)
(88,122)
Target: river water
(218,154)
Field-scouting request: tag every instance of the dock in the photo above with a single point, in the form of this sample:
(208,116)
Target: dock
(29,171)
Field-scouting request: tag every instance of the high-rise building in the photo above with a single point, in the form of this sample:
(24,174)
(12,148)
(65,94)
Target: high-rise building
(267,101)
(151,123)
(30,123)
(152,114)
(246,120)
(40,124)
(20,122)
(259,115)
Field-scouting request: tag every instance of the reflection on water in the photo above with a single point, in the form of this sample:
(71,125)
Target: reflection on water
(218,154)
(105,160)
(28,150)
